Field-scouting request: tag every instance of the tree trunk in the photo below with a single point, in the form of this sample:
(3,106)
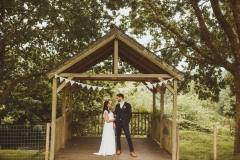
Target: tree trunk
(237,126)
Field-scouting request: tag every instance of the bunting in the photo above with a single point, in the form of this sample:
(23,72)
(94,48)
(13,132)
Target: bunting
(139,88)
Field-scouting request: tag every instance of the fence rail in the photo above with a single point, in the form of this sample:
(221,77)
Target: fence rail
(91,123)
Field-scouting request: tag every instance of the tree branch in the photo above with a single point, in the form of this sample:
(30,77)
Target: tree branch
(214,57)
(2,10)
(226,26)
(213,60)
(236,15)
(205,35)
(15,82)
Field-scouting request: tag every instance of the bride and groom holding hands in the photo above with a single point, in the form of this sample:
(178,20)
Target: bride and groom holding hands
(118,120)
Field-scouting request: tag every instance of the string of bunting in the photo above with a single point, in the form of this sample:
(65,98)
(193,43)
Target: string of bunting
(149,85)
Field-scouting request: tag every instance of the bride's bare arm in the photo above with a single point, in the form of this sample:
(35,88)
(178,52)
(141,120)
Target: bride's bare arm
(107,118)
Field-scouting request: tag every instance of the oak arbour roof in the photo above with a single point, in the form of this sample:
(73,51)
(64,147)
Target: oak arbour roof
(147,63)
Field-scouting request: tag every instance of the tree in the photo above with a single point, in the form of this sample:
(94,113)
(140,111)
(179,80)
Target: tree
(205,34)
(37,35)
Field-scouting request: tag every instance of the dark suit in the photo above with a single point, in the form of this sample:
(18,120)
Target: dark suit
(123,117)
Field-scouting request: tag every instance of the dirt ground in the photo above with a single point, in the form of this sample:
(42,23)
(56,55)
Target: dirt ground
(82,148)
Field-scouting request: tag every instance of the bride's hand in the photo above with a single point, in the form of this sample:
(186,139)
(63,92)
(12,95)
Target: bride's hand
(114,126)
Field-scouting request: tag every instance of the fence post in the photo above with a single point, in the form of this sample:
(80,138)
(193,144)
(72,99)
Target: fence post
(178,150)
(214,142)
(47,141)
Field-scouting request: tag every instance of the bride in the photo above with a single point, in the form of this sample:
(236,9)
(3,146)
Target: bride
(108,146)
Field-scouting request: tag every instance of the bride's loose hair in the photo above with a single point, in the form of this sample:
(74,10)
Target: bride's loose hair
(105,107)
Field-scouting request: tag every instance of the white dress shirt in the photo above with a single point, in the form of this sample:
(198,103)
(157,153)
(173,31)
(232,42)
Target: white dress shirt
(121,104)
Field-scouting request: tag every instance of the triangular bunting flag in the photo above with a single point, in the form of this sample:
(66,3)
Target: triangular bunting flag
(61,79)
(72,82)
(100,88)
(88,87)
(150,86)
(155,84)
(83,85)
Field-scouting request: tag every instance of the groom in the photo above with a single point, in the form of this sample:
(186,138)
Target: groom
(123,112)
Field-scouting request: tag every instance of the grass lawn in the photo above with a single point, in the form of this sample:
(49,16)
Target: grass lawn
(199,146)
(19,155)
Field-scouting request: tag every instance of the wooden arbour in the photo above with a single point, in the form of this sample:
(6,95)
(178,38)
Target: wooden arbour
(119,46)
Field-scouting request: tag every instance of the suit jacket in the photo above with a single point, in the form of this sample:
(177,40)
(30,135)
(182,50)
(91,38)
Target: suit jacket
(126,113)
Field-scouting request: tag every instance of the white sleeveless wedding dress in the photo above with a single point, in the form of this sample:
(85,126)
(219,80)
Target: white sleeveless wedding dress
(108,145)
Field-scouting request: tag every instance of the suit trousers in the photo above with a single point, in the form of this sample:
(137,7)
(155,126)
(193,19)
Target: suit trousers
(125,128)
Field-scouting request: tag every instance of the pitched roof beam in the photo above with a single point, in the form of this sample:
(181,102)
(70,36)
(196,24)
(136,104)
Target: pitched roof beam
(117,77)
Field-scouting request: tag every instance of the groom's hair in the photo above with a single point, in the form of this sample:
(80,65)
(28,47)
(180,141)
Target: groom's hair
(120,95)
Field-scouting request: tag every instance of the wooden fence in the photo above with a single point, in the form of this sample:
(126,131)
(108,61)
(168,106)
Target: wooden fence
(91,123)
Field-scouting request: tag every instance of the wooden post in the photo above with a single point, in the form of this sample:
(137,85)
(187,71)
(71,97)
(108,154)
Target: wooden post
(154,124)
(161,115)
(214,142)
(53,123)
(47,141)
(70,109)
(178,145)
(174,121)
(115,57)
(64,118)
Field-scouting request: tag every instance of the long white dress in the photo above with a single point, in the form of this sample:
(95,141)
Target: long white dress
(108,145)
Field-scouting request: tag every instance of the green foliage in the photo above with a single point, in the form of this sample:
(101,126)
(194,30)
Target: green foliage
(92,100)
(199,115)
(226,104)
(141,101)
(190,126)
(35,37)
(28,105)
